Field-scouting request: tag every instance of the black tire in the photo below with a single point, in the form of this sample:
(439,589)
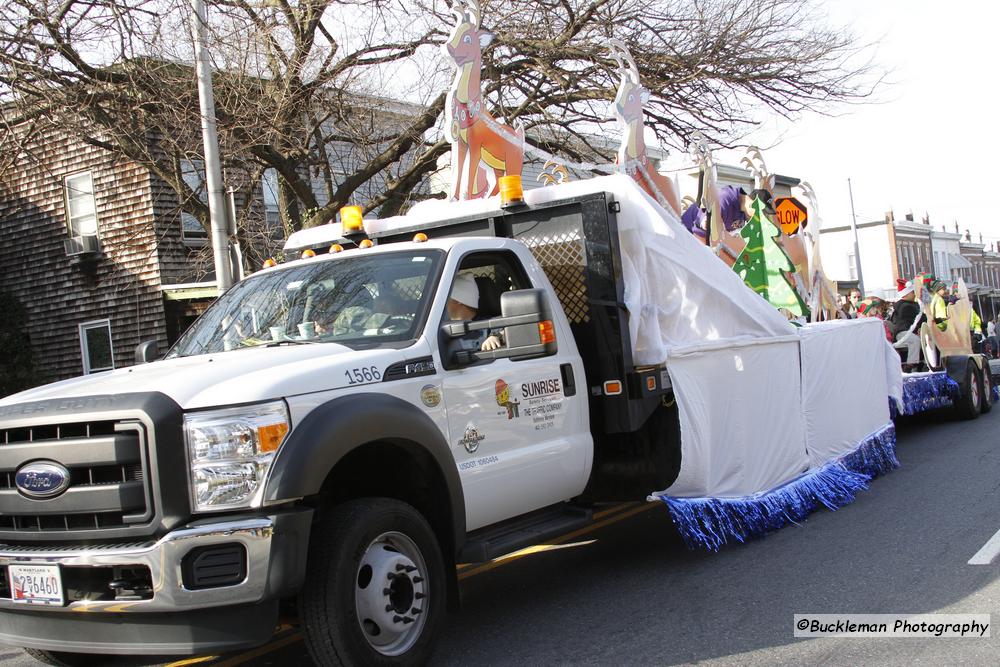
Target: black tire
(349,539)
(64,659)
(969,403)
(987,402)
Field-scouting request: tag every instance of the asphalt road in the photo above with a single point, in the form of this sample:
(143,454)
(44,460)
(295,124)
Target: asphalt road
(628,592)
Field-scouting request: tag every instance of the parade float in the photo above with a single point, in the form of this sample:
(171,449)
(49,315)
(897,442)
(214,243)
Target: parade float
(763,365)
(761,402)
(739,315)
(333,430)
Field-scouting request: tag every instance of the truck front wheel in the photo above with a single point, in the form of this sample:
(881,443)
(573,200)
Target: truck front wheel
(374,592)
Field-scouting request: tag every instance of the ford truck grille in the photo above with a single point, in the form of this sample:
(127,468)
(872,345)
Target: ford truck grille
(107,463)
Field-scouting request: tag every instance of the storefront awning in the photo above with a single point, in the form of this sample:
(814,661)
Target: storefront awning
(189,291)
(958,262)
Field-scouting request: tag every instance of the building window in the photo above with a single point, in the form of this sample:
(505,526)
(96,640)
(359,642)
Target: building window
(193,173)
(272,211)
(95,346)
(81,212)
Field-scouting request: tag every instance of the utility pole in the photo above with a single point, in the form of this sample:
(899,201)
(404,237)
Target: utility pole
(210,137)
(857,250)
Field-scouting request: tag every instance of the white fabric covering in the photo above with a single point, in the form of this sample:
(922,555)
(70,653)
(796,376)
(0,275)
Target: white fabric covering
(844,394)
(741,423)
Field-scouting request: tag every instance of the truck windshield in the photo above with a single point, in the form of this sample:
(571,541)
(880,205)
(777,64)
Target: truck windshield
(357,301)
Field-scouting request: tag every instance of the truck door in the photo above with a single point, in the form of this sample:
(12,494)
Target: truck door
(519,433)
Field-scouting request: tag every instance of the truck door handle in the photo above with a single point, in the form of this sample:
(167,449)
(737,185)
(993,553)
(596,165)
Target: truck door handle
(569,383)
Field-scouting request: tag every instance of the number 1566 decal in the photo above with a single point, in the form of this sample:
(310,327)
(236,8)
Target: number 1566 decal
(362,375)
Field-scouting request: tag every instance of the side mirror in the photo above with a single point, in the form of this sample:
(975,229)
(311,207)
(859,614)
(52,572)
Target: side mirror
(536,336)
(528,328)
(146,351)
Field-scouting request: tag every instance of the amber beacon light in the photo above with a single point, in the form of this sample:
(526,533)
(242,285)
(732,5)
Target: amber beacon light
(511,192)
(350,219)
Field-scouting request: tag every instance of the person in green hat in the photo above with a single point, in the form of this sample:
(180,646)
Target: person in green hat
(939,307)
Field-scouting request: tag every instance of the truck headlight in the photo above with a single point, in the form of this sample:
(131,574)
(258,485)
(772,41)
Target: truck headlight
(230,452)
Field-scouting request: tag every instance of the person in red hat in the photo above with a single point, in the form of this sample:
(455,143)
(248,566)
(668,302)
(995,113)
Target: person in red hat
(875,307)
(904,322)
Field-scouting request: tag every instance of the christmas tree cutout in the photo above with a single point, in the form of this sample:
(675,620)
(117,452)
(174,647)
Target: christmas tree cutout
(764,266)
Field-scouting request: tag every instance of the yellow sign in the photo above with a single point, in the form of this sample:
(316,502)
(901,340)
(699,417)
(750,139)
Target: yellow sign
(791,214)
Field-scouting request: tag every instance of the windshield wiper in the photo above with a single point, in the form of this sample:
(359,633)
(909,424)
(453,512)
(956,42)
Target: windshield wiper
(290,341)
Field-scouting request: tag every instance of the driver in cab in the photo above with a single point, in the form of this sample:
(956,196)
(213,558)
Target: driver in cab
(463,304)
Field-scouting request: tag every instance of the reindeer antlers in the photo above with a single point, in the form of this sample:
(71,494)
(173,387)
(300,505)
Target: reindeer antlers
(699,149)
(754,161)
(467,10)
(558,174)
(621,54)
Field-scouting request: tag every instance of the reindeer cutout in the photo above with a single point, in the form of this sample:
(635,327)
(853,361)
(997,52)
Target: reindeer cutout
(629,103)
(476,137)
(727,245)
(822,299)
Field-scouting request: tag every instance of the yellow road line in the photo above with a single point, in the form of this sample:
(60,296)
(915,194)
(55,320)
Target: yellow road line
(192,661)
(470,571)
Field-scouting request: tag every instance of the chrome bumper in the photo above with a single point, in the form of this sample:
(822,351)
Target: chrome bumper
(163,558)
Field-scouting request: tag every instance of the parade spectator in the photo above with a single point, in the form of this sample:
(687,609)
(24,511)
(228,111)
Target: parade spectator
(875,307)
(853,299)
(991,335)
(903,323)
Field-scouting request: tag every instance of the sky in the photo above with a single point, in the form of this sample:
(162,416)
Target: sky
(931,145)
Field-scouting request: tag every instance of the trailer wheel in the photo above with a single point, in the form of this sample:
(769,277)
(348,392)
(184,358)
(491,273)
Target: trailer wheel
(64,659)
(374,591)
(987,402)
(969,404)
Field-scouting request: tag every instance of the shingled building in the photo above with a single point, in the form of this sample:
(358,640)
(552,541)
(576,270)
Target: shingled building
(97,251)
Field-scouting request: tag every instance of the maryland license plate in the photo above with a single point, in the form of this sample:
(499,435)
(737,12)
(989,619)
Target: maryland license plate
(35,584)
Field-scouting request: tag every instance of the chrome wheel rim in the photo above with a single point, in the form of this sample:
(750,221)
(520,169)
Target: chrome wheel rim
(390,595)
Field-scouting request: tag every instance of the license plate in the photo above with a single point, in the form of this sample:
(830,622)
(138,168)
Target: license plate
(35,584)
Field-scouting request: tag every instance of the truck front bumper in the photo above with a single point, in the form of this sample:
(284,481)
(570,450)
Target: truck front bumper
(174,617)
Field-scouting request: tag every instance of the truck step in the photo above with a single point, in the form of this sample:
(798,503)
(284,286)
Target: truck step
(504,538)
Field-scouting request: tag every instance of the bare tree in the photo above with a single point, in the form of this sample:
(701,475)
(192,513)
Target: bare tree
(344,99)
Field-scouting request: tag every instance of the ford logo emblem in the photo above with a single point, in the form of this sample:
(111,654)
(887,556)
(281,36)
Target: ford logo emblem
(42,479)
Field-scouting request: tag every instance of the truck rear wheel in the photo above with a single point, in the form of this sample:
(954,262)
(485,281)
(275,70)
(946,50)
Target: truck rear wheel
(374,592)
(64,659)
(970,402)
(987,400)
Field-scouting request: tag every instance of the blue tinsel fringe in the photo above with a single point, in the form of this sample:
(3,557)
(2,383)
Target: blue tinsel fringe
(927,392)
(996,393)
(876,455)
(710,523)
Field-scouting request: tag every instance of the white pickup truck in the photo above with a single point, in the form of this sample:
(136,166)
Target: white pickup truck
(328,433)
